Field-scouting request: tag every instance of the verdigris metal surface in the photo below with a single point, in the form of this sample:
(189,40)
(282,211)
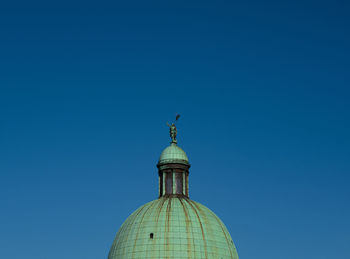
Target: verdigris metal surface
(173,154)
(173,228)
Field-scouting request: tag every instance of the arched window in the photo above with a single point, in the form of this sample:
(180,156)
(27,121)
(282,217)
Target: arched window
(169,183)
(179,182)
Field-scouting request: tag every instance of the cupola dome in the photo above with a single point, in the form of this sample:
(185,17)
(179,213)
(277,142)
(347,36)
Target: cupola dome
(173,154)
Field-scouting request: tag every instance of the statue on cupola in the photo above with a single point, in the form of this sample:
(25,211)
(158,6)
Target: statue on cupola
(173,130)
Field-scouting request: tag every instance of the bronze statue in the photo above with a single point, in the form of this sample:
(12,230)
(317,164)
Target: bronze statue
(173,130)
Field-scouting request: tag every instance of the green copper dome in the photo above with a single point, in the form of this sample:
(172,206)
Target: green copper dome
(173,154)
(175,228)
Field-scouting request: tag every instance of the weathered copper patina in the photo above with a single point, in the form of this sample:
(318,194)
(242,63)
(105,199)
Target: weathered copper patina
(173,226)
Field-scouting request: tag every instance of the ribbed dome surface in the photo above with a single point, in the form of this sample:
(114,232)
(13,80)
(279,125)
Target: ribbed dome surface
(173,228)
(173,154)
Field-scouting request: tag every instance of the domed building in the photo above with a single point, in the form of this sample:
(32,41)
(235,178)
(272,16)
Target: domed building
(173,226)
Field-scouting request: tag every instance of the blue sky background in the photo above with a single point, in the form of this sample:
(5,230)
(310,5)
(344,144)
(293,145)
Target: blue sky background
(86,89)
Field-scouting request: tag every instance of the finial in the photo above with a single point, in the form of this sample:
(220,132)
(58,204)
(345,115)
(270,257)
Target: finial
(173,130)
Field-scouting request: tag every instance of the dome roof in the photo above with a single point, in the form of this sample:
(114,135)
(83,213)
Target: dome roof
(173,228)
(173,154)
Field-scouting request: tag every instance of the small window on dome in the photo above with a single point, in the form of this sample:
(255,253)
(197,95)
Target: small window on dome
(151,236)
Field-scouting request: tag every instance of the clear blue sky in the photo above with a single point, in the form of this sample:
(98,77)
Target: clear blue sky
(86,89)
